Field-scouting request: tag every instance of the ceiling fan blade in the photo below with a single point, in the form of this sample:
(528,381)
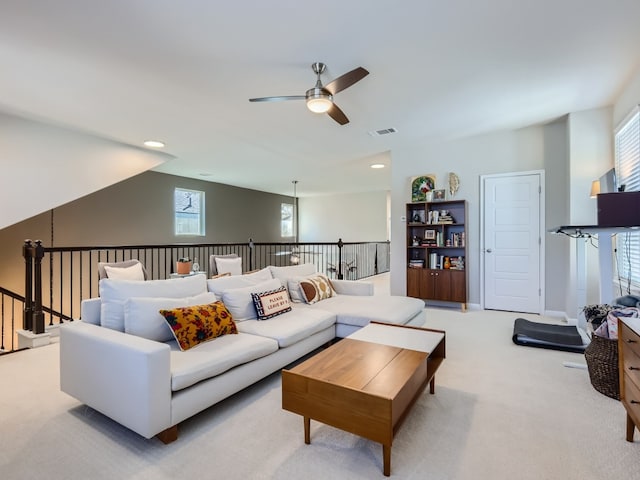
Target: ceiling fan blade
(346,80)
(338,115)
(277,99)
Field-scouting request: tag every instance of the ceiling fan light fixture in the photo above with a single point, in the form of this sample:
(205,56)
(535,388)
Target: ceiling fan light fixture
(319,100)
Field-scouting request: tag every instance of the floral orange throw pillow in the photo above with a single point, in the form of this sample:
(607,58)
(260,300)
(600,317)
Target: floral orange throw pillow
(194,325)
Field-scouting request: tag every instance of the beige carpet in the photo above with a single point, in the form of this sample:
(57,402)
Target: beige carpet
(500,412)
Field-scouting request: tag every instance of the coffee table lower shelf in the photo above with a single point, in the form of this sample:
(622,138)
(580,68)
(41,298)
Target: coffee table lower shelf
(367,384)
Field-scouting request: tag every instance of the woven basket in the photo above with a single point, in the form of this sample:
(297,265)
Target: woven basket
(602,362)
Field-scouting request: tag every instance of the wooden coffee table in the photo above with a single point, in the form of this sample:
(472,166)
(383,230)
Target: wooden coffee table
(366,383)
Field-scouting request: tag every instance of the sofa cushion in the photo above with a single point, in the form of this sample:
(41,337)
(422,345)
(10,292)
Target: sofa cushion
(240,303)
(290,327)
(359,310)
(142,315)
(272,303)
(220,284)
(285,273)
(197,324)
(316,288)
(113,294)
(216,357)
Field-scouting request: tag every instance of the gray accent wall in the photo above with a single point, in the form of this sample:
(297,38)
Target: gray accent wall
(138,211)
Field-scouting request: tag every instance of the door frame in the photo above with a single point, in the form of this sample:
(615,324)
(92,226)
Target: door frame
(541,217)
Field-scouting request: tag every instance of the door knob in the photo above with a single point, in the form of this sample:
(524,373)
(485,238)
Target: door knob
(489,250)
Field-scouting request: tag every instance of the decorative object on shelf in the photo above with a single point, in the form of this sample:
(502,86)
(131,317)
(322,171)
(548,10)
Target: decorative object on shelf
(183,266)
(421,185)
(419,216)
(454,184)
(439,194)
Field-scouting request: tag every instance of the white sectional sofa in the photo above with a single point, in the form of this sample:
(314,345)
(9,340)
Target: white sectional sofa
(122,360)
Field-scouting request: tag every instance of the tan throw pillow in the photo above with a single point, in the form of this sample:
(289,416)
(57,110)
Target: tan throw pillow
(271,304)
(316,288)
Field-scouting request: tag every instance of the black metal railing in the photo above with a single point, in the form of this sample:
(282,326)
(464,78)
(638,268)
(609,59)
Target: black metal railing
(57,279)
(11,317)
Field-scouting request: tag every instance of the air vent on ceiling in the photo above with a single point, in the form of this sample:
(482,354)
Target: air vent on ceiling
(384,131)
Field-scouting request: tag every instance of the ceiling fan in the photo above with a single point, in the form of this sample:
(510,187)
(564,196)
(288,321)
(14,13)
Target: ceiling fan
(320,98)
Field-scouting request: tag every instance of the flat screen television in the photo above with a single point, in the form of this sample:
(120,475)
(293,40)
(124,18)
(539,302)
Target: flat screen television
(608,182)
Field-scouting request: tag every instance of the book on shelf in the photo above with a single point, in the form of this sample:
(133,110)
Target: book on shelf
(416,263)
(457,263)
(457,239)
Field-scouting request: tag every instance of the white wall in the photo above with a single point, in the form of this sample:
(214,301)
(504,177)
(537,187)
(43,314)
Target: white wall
(590,135)
(557,247)
(629,98)
(498,152)
(358,217)
(44,166)
(573,151)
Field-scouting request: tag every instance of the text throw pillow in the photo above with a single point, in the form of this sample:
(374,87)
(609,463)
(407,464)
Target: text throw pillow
(271,304)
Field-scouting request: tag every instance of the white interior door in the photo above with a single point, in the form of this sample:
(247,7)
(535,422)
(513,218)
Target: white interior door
(512,242)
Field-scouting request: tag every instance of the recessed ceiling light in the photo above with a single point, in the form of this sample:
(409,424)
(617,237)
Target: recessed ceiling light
(154,143)
(205,174)
(377,165)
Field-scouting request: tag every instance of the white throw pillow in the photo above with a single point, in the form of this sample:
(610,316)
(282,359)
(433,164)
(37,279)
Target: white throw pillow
(142,315)
(231,265)
(295,292)
(134,272)
(239,302)
(113,294)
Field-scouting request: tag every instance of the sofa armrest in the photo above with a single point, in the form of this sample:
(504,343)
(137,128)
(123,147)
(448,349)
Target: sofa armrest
(90,310)
(351,287)
(127,378)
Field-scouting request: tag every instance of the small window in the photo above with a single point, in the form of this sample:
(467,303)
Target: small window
(286,220)
(627,156)
(189,212)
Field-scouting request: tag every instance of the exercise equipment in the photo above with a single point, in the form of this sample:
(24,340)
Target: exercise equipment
(545,335)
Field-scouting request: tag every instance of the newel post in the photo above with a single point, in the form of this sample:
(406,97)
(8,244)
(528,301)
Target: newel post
(38,314)
(27,314)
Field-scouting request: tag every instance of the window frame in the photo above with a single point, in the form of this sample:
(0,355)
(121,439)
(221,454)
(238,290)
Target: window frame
(200,230)
(284,221)
(627,166)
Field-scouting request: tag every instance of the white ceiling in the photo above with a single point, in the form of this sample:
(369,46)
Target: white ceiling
(183,71)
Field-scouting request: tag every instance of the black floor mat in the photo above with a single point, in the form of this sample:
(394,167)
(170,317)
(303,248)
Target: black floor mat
(544,335)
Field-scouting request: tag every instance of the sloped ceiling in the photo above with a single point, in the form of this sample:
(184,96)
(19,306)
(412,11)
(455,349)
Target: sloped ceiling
(183,71)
